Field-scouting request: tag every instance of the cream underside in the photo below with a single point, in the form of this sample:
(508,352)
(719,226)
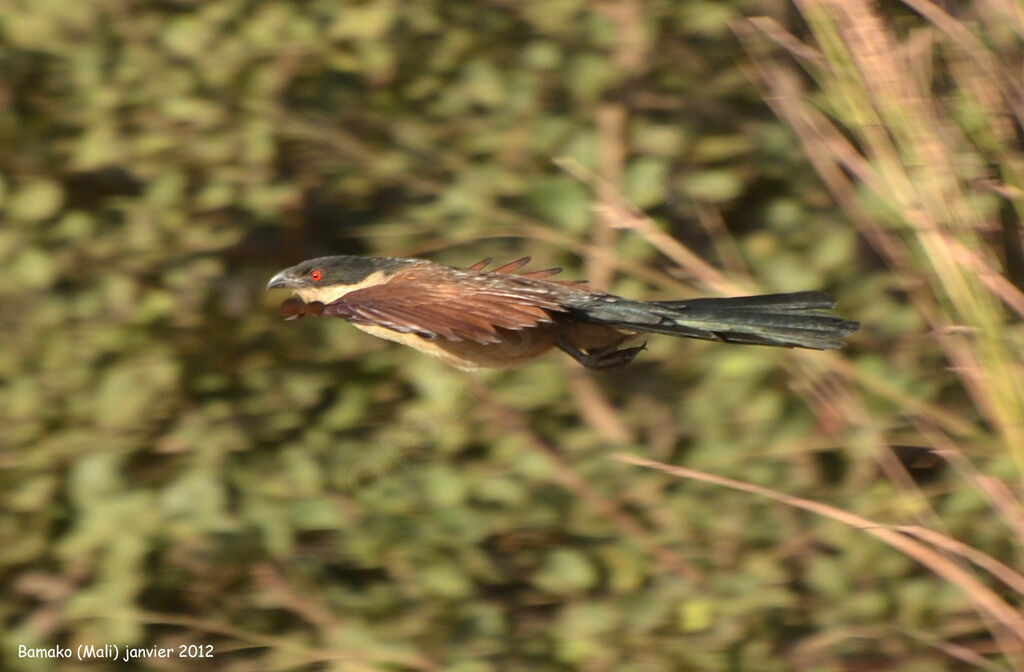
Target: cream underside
(518,347)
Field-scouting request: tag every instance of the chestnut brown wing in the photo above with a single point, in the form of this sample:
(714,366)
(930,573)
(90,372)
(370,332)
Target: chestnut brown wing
(440,302)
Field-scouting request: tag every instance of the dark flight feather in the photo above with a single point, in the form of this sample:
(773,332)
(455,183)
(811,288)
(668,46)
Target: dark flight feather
(792,320)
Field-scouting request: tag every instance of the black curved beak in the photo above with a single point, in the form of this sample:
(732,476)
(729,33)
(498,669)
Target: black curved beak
(280,281)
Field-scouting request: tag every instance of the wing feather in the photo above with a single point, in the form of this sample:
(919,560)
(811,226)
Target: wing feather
(441,302)
(543,273)
(512,266)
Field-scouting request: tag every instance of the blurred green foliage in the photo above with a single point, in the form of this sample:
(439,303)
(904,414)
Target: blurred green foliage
(178,465)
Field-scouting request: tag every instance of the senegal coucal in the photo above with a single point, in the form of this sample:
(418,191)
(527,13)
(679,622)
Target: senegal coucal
(472,318)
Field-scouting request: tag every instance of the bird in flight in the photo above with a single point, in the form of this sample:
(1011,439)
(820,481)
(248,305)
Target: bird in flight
(473,318)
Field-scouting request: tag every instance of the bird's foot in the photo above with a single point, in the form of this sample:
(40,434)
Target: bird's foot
(603,359)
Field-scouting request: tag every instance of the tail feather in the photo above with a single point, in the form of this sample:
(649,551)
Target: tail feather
(797,320)
(795,301)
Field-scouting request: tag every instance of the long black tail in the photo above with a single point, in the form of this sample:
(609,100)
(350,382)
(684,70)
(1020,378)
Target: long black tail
(798,320)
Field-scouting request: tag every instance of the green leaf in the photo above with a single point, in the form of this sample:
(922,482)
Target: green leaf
(695,615)
(589,76)
(561,200)
(713,186)
(36,200)
(566,571)
(644,181)
(484,83)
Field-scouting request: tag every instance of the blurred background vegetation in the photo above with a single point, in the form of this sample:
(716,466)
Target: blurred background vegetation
(178,465)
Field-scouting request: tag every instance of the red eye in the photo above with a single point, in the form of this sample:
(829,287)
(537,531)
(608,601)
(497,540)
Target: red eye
(315,275)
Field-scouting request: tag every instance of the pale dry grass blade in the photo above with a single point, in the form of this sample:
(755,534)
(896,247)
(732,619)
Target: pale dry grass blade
(906,133)
(910,155)
(981,595)
(999,570)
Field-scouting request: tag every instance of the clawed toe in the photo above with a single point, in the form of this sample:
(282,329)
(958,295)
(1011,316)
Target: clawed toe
(605,359)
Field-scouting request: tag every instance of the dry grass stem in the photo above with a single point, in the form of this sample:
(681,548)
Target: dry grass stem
(980,594)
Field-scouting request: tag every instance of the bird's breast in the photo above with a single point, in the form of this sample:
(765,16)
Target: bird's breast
(514,348)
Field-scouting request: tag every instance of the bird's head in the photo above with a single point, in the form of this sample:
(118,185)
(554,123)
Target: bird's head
(326,278)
